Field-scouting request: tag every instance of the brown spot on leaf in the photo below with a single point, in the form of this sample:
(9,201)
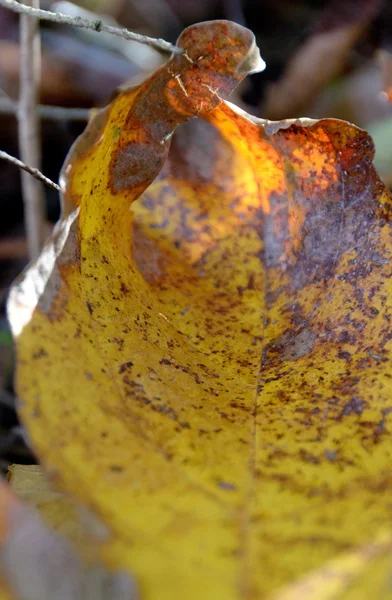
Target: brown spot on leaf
(355,406)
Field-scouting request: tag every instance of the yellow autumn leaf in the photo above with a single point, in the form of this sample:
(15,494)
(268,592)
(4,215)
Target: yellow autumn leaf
(204,344)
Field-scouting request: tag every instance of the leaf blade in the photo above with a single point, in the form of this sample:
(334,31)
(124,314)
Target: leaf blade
(225,335)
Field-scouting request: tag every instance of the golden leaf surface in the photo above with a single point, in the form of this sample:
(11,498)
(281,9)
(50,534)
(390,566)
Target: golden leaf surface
(204,345)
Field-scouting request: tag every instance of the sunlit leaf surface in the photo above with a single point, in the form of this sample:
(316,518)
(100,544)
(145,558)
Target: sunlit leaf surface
(204,345)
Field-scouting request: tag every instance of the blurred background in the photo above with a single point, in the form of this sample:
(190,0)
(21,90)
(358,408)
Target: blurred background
(325,58)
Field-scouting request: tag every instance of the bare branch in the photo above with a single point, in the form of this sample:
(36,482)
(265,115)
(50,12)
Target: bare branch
(33,171)
(96,25)
(54,113)
(29,135)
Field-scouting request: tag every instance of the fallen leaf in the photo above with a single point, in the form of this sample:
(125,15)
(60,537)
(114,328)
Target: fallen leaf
(322,56)
(37,564)
(31,485)
(7,504)
(204,344)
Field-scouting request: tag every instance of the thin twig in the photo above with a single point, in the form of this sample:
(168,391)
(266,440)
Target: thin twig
(96,25)
(28,130)
(54,113)
(31,170)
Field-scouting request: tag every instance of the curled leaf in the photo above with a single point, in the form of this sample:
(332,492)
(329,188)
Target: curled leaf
(204,344)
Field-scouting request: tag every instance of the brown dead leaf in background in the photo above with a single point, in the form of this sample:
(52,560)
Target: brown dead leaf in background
(321,57)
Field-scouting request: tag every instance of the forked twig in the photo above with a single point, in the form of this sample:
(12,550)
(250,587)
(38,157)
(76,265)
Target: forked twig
(96,25)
